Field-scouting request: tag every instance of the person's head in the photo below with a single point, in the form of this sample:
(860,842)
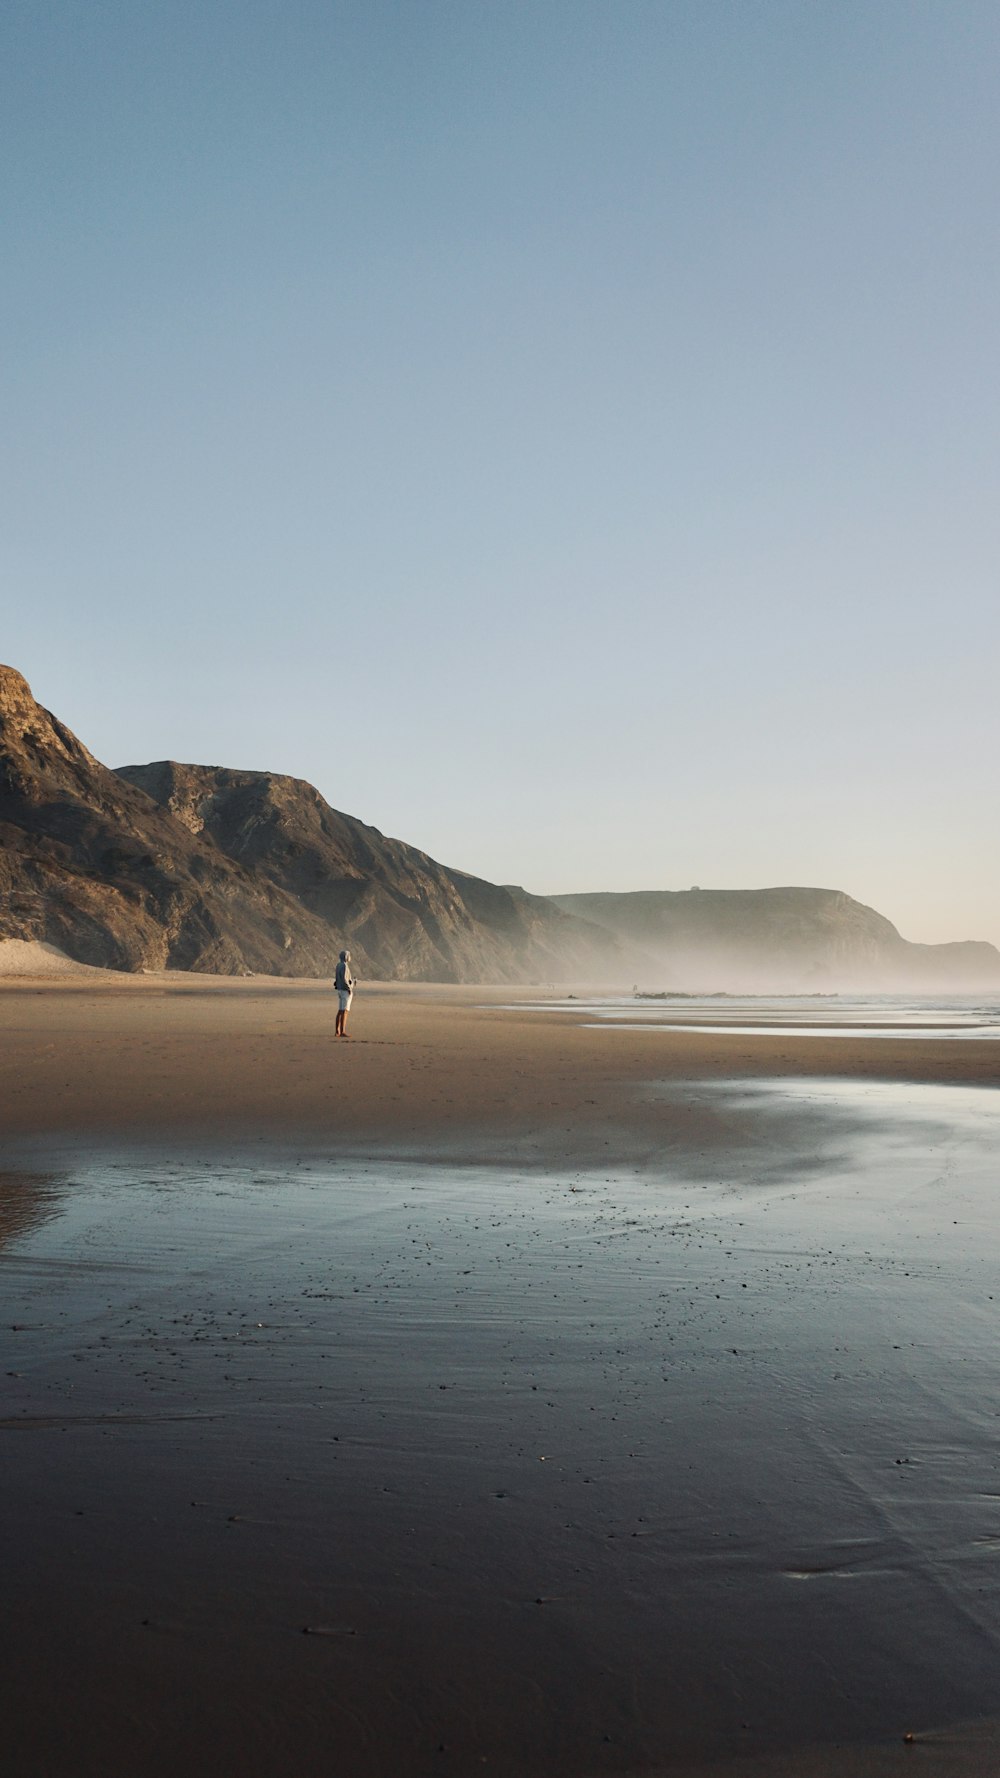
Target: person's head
(345,956)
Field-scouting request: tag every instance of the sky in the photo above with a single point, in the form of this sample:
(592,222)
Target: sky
(563,432)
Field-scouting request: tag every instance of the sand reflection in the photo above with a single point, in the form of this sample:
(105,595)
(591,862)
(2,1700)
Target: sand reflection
(26,1199)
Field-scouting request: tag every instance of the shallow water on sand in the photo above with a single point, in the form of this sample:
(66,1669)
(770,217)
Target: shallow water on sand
(559,1474)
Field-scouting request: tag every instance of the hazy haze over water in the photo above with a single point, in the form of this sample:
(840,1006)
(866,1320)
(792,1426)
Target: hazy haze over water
(564,435)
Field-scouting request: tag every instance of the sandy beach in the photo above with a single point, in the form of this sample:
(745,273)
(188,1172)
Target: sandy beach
(497,1390)
(460,1071)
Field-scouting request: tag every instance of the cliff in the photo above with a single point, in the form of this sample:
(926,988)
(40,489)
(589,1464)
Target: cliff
(784,939)
(194,867)
(169,866)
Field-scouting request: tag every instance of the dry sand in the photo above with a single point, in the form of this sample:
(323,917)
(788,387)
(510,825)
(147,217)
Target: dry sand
(498,1353)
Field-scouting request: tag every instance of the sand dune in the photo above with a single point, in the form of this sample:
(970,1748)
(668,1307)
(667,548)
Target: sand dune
(31,957)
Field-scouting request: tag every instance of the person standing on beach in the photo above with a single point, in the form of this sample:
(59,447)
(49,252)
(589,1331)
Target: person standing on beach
(343,981)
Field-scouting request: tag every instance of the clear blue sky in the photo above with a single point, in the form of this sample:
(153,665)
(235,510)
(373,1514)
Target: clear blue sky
(564,432)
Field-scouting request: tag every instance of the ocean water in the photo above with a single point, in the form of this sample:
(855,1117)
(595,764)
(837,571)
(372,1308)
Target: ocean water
(436,1468)
(804,1015)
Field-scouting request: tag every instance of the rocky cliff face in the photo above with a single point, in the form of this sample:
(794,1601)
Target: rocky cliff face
(795,940)
(404,916)
(92,864)
(192,867)
(172,866)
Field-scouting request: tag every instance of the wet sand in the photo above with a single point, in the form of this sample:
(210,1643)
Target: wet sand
(490,1392)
